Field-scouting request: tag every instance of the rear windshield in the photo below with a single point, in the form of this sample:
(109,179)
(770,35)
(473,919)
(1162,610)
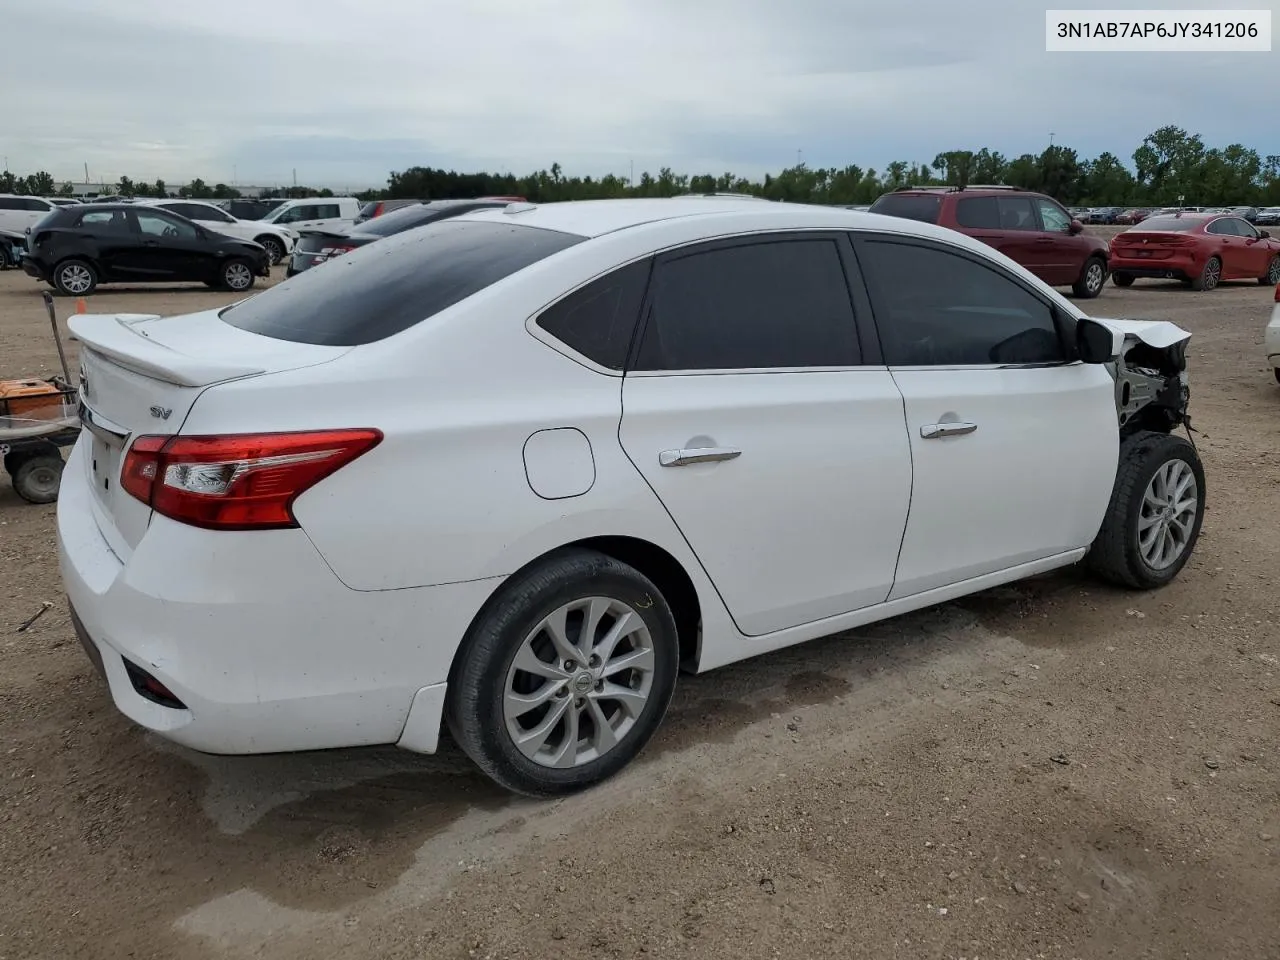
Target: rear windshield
(387,287)
(912,206)
(1176,224)
(413,216)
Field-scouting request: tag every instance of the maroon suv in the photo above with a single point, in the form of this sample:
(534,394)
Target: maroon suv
(1027,227)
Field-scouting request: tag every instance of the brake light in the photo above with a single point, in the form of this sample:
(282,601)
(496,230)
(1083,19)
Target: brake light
(239,481)
(336,251)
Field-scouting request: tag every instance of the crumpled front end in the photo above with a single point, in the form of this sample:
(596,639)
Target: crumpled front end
(1153,390)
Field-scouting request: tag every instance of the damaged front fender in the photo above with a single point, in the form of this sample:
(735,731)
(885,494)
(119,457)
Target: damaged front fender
(1150,371)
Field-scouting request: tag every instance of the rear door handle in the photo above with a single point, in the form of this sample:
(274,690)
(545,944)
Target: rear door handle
(682,458)
(936,431)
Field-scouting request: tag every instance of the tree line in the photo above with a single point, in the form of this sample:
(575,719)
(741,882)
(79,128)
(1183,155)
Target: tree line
(1170,166)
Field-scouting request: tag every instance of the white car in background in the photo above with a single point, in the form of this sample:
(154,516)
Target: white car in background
(1271,338)
(315,213)
(278,241)
(513,470)
(18,212)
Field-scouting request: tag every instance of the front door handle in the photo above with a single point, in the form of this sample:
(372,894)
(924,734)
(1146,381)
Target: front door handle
(935,431)
(682,458)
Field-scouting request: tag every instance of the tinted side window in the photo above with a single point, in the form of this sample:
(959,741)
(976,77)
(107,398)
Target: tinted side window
(1221,227)
(599,320)
(966,313)
(1244,228)
(924,207)
(328,211)
(158,225)
(978,212)
(187,210)
(782,303)
(1016,213)
(389,286)
(10,203)
(37,206)
(103,220)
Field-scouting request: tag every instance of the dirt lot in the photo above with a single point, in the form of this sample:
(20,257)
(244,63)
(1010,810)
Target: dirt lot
(1054,769)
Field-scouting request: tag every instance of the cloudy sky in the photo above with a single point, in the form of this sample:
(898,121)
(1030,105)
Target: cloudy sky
(344,91)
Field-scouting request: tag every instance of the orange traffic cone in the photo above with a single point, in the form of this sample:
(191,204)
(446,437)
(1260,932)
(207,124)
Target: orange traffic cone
(80,307)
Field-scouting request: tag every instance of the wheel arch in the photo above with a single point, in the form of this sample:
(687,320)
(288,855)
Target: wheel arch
(655,562)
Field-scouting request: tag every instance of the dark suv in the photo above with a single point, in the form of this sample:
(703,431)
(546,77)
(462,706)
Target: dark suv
(1029,228)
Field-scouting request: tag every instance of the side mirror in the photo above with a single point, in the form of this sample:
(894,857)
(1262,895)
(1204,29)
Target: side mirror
(1265,234)
(1076,227)
(1096,342)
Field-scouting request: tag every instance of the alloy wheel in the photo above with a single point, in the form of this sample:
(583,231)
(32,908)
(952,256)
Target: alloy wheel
(578,682)
(1169,508)
(1094,277)
(238,276)
(75,278)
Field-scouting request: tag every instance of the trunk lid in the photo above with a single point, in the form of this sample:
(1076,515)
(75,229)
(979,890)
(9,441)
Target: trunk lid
(141,374)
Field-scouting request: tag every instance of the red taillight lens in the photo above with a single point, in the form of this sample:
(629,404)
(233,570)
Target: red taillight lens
(337,251)
(237,482)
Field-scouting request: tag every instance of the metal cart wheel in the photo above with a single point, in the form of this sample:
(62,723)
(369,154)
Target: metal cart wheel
(38,477)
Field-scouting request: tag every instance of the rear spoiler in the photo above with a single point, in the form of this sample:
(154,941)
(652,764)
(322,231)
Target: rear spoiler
(123,339)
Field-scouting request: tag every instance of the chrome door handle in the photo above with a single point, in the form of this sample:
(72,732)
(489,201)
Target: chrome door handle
(682,458)
(935,431)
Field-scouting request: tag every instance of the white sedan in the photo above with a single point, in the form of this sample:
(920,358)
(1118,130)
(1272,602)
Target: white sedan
(512,471)
(277,241)
(1271,338)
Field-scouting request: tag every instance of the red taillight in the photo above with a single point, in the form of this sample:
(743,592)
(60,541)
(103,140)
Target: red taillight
(331,252)
(240,481)
(377,211)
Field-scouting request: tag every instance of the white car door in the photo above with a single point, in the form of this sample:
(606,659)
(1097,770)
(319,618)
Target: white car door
(749,411)
(1014,444)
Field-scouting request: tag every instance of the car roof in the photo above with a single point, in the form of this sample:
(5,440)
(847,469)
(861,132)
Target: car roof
(595,218)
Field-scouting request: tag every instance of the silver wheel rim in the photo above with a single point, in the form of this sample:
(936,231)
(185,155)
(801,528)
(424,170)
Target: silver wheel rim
(1169,508)
(75,278)
(1093,278)
(238,276)
(275,252)
(43,481)
(578,682)
(1273,275)
(1212,270)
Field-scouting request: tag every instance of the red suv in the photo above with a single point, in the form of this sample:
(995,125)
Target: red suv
(1027,227)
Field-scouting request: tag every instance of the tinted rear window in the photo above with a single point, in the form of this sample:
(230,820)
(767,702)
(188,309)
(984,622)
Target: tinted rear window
(1168,223)
(386,287)
(414,216)
(911,206)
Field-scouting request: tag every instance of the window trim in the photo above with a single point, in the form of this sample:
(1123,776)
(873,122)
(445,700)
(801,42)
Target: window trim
(746,239)
(1063,322)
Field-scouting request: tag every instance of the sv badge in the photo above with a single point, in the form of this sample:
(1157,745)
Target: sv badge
(161,413)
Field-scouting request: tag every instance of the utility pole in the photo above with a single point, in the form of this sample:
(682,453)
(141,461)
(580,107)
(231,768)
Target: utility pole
(295,176)
(1050,139)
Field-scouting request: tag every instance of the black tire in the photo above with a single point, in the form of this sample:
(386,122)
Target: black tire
(1209,277)
(474,706)
(273,246)
(1116,553)
(75,278)
(1122,279)
(236,275)
(1272,277)
(1092,279)
(37,478)
(1276,371)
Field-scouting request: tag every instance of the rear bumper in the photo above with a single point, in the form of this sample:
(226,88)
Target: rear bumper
(1271,338)
(1175,266)
(266,649)
(33,268)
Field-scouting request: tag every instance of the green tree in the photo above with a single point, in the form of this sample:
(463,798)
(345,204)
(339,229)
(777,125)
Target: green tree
(125,188)
(1168,164)
(66,190)
(41,183)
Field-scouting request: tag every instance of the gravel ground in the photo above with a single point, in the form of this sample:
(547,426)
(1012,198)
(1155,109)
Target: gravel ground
(1053,769)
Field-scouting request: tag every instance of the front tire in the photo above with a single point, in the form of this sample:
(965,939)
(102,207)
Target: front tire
(1092,279)
(565,675)
(274,248)
(75,278)
(1153,520)
(1209,277)
(1272,277)
(1122,279)
(237,275)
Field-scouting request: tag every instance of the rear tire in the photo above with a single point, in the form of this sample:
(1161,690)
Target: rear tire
(75,278)
(1159,481)
(37,478)
(1122,279)
(548,726)
(1272,277)
(1092,279)
(1209,277)
(237,276)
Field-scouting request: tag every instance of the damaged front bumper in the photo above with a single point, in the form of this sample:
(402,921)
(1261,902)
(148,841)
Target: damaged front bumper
(1152,387)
